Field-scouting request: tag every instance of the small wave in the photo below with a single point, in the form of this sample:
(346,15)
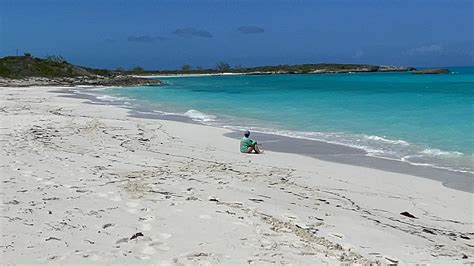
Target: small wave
(109,98)
(382,139)
(101,97)
(199,116)
(440,153)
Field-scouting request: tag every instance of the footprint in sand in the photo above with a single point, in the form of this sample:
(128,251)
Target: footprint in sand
(336,235)
(116,198)
(163,247)
(164,235)
(132,204)
(132,211)
(146,218)
(144,257)
(27,173)
(146,227)
(148,250)
(290,216)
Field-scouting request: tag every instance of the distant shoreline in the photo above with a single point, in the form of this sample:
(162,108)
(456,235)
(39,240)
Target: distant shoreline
(25,71)
(188,75)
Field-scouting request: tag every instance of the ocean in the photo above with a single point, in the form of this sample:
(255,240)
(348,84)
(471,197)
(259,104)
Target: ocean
(419,119)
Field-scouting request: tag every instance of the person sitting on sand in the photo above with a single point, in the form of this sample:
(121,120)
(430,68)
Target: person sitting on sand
(247,145)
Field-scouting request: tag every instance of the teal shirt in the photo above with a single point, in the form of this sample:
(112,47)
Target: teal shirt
(245,143)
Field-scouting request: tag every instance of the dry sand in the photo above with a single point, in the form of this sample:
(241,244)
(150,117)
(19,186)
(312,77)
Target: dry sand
(85,183)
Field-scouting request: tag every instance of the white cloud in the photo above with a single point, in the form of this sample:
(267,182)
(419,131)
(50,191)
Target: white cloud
(426,50)
(358,54)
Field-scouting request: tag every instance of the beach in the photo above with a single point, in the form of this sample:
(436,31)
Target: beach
(90,183)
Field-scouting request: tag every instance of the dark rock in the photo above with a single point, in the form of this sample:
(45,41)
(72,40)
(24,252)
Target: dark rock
(431,71)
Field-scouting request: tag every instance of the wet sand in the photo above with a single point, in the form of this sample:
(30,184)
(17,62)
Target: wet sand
(346,155)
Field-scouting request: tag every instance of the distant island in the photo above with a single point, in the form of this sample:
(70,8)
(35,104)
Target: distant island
(27,70)
(282,69)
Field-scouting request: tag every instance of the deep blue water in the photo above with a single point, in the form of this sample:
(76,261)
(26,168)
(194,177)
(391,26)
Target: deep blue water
(425,119)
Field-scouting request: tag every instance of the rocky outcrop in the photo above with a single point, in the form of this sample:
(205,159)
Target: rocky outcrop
(120,80)
(431,71)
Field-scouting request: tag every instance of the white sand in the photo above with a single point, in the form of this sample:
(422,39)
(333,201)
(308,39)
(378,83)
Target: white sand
(85,183)
(189,75)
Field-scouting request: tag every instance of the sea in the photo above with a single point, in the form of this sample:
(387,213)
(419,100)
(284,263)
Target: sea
(419,119)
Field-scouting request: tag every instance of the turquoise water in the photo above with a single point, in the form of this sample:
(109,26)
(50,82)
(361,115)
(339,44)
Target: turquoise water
(422,119)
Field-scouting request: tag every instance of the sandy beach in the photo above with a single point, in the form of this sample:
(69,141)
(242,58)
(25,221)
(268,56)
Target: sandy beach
(88,183)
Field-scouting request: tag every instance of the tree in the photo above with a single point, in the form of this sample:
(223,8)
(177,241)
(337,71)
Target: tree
(138,69)
(186,67)
(56,58)
(223,66)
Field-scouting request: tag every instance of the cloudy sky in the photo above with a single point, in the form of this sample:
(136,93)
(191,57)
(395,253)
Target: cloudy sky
(169,33)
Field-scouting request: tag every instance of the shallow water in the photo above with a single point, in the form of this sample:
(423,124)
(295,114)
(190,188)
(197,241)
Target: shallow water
(421,119)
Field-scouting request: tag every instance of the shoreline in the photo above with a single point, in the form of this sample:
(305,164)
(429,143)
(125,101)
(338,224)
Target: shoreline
(91,183)
(326,151)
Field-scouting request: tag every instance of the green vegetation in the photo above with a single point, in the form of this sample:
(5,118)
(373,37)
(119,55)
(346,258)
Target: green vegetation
(56,66)
(223,67)
(51,67)
(137,69)
(186,68)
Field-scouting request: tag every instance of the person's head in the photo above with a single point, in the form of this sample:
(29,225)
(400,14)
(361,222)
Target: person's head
(247,133)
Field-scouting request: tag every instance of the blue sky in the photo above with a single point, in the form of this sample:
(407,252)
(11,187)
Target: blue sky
(167,34)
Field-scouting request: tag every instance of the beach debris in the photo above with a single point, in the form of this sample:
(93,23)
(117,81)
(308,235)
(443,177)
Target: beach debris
(53,198)
(323,200)
(192,198)
(14,202)
(107,225)
(136,235)
(426,230)
(196,255)
(122,240)
(464,237)
(392,261)
(89,241)
(464,256)
(409,215)
(213,198)
(160,192)
(52,238)
(256,200)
